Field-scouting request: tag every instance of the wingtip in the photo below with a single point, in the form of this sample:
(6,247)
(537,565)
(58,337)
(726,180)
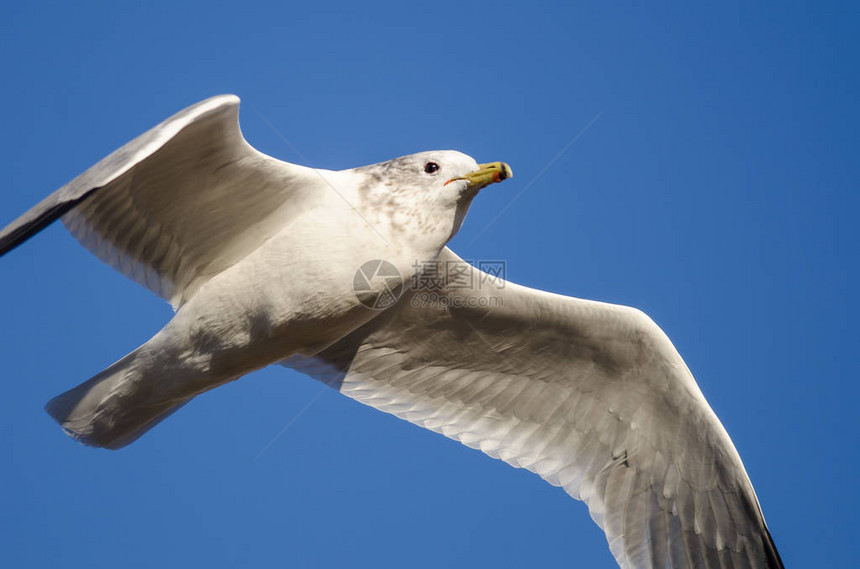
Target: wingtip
(774,559)
(33,221)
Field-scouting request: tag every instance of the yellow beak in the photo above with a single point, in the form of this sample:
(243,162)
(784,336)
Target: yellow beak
(486,174)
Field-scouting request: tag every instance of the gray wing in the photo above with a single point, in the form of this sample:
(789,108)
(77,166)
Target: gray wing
(592,397)
(178,204)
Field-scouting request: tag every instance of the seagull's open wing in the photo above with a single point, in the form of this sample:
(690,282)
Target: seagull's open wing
(591,396)
(176,205)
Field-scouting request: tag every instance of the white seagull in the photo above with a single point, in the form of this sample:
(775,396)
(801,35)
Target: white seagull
(346,276)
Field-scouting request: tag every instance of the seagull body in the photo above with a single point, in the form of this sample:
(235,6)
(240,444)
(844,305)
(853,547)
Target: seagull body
(259,259)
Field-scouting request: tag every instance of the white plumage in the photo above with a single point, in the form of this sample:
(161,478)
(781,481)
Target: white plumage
(258,257)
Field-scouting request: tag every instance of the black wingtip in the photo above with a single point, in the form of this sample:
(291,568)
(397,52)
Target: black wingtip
(33,222)
(774,561)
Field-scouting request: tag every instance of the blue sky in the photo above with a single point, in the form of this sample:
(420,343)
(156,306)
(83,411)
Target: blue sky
(717,191)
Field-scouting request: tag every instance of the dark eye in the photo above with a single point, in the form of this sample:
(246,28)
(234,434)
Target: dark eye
(431,167)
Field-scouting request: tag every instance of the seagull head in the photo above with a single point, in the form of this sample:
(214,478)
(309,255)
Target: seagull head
(426,194)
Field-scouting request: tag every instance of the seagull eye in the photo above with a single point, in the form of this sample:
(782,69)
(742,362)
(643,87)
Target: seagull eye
(431,167)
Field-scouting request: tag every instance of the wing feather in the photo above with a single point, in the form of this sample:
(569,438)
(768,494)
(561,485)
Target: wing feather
(590,396)
(178,204)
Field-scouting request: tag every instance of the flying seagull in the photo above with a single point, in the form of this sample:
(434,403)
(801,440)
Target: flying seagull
(345,276)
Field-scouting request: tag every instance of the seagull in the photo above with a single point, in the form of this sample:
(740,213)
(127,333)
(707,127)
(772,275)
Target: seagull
(346,277)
